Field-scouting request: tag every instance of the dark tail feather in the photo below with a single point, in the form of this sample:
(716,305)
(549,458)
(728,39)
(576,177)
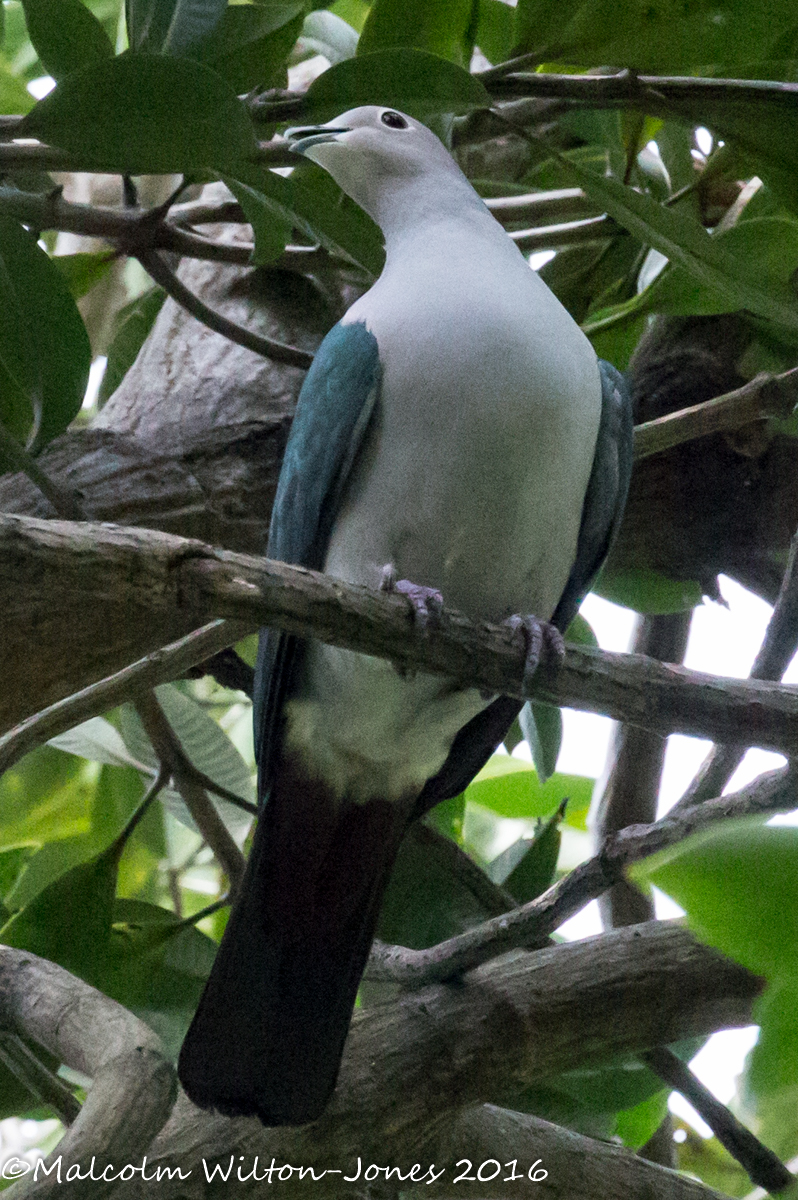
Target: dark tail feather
(269,1032)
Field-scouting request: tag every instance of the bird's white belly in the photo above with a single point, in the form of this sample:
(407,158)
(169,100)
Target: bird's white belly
(471,482)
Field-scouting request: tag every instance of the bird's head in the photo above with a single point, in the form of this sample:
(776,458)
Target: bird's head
(370,151)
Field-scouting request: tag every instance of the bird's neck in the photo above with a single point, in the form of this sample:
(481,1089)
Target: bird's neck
(417,219)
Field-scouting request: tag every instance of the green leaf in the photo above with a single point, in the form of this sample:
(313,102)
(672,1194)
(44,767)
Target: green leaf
(738,885)
(132,324)
(657,38)
(541,725)
(580,632)
(251,43)
(65,34)
(443,27)
(511,788)
(770,242)
(495,33)
(69,921)
(96,740)
(170,26)
(714,262)
(634,1126)
(271,228)
(324,32)
(206,745)
(414,81)
(426,900)
(647,591)
(44,347)
(157,967)
(143,114)
(14,96)
(82,271)
(529,866)
(46,796)
(312,200)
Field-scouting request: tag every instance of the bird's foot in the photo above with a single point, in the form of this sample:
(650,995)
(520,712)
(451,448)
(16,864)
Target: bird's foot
(541,639)
(426,603)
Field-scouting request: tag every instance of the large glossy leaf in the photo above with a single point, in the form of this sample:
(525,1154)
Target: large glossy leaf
(65,34)
(647,591)
(141,114)
(207,746)
(527,868)
(414,81)
(271,228)
(444,27)
(170,26)
(96,740)
(311,200)
(714,262)
(69,921)
(426,900)
(738,885)
(495,32)
(250,44)
(541,725)
(131,326)
(511,788)
(45,796)
(661,37)
(44,347)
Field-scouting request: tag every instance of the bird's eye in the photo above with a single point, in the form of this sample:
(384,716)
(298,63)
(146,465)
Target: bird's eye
(393,120)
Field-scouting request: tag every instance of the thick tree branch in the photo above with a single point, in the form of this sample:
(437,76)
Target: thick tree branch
(158,580)
(532,923)
(134,1083)
(577,1167)
(413,1065)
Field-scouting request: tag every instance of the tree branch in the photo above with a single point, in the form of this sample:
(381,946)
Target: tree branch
(140,677)
(532,923)
(155,266)
(154,577)
(761,1164)
(173,758)
(765,396)
(775,655)
(134,1083)
(576,1166)
(413,1065)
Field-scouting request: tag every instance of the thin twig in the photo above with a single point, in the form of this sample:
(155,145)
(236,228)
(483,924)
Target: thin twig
(572,233)
(761,1164)
(529,925)
(155,266)
(169,750)
(37,1078)
(62,499)
(775,655)
(161,666)
(765,396)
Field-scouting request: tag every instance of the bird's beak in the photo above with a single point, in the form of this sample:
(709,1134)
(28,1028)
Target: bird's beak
(301,137)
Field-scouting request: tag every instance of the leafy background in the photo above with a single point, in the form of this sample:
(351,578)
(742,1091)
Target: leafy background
(127,897)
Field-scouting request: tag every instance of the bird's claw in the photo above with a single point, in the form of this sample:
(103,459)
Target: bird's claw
(541,639)
(426,603)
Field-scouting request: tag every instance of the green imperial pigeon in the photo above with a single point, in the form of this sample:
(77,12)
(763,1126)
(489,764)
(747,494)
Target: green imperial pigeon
(456,437)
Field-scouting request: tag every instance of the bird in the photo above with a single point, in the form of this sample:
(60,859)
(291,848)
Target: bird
(455,438)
